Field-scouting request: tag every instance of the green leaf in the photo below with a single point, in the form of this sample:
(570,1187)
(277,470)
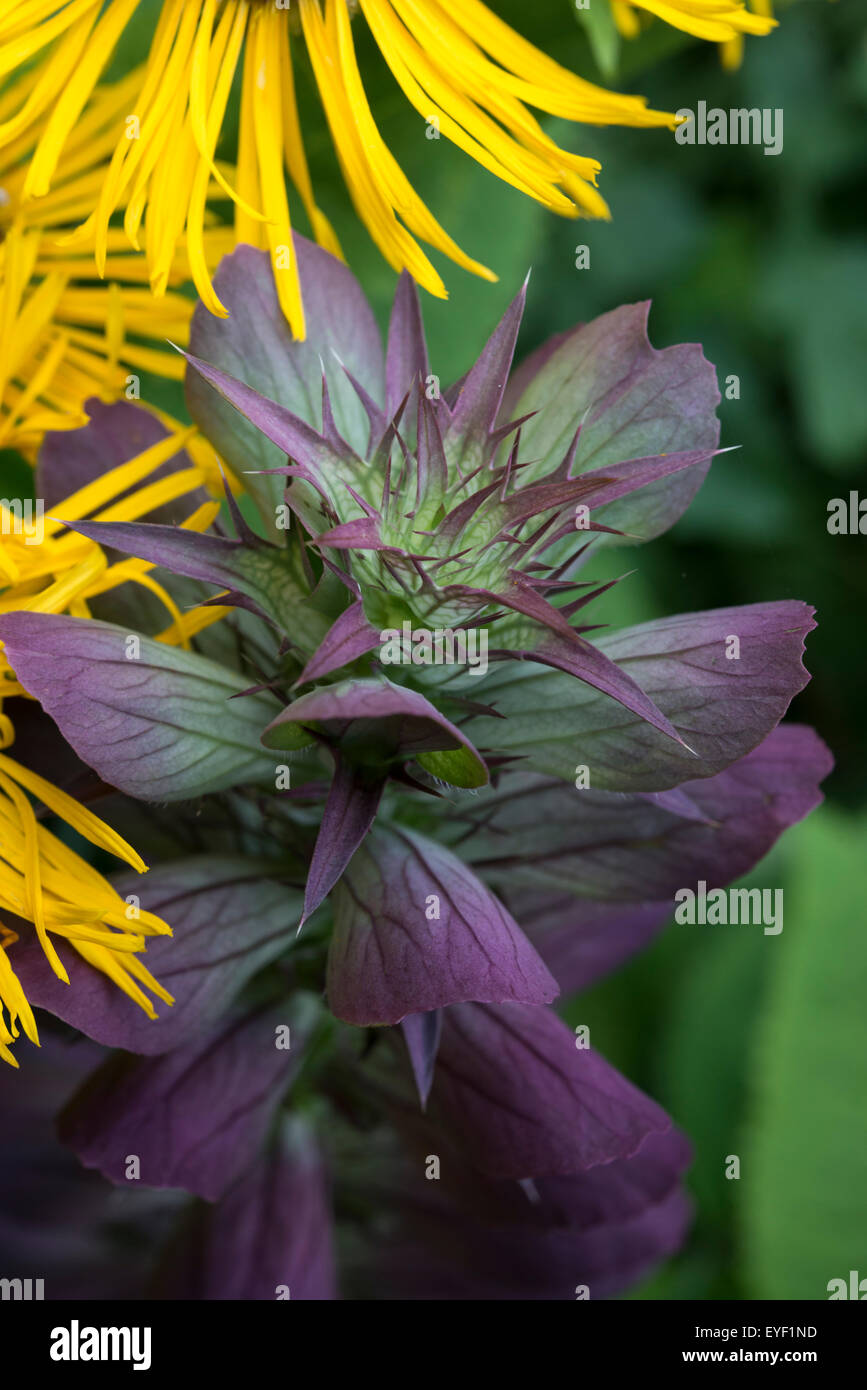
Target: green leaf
(826,342)
(254,346)
(804,1196)
(716,997)
(629,400)
(157,722)
(597,20)
(457,766)
(268,577)
(722,708)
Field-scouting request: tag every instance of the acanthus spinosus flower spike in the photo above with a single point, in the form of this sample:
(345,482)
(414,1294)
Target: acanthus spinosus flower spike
(299,775)
(437,519)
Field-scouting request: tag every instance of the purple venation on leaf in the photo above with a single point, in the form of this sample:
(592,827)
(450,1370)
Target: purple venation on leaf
(592,876)
(196,1117)
(229,918)
(153,720)
(414,929)
(723,706)
(523,1101)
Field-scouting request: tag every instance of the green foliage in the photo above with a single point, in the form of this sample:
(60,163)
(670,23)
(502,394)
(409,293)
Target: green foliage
(803,1208)
(605,40)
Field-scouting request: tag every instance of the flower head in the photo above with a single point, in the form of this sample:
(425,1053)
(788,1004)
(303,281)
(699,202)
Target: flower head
(725,22)
(66,338)
(467,74)
(720,21)
(442,510)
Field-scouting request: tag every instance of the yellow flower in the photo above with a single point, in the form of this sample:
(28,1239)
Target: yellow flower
(45,882)
(59,571)
(732,51)
(721,21)
(63,339)
(465,71)
(45,569)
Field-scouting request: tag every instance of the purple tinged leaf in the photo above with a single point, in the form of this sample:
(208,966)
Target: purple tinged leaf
(350,810)
(330,432)
(601,487)
(414,930)
(422,1033)
(268,1237)
(627,848)
(345,578)
(349,638)
(195,1117)
(389,719)
(453,525)
(360,534)
(310,450)
(566,649)
(631,400)
(622,479)
(477,405)
(406,360)
(625,857)
(229,918)
(258,579)
(544,497)
(114,434)
(432,468)
(521,596)
(580,658)
(525,1102)
(575,605)
(503,431)
(243,530)
(365,506)
(255,345)
(376,416)
(723,707)
(160,726)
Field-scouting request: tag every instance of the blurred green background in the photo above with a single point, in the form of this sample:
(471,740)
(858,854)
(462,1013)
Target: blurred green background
(755,1044)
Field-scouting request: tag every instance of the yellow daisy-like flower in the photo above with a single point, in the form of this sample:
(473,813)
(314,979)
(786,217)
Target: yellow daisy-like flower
(721,21)
(45,882)
(59,571)
(46,569)
(63,339)
(732,51)
(463,69)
